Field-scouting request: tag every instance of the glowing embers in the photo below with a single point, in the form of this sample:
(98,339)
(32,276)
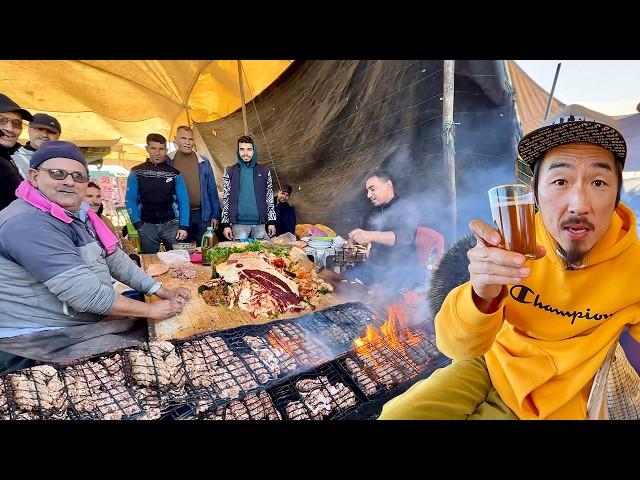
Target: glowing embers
(391,356)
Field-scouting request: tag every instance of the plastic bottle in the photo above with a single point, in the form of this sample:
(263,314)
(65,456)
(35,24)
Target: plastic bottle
(209,240)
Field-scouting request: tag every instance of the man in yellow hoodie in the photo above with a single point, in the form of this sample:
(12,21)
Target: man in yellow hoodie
(528,336)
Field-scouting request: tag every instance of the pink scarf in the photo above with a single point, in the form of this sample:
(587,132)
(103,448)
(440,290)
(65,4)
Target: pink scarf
(34,197)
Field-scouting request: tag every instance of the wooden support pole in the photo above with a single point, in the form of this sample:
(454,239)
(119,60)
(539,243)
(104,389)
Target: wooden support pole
(449,146)
(244,107)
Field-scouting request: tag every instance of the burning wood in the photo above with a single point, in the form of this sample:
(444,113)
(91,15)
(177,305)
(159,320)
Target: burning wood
(394,355)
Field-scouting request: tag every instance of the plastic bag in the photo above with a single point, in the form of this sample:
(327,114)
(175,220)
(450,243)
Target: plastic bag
(284,239)
(173,258)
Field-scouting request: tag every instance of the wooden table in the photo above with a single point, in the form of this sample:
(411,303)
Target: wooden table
(199,317)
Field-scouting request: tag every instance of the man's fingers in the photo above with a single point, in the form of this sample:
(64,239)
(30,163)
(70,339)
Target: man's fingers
(495,255)
(485,234)
(487,279)
(484,268)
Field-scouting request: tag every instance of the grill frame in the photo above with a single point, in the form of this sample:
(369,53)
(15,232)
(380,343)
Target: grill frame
(200,402)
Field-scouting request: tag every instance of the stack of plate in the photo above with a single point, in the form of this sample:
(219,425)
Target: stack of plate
(320,242)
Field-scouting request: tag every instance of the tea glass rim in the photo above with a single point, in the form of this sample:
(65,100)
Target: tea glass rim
(526,185)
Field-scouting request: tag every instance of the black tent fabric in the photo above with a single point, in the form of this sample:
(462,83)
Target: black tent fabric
(324,125)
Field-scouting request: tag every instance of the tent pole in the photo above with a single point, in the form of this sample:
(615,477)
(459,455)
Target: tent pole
(244,107)
(448,144)
(553,88)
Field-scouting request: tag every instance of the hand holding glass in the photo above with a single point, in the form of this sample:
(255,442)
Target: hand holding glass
(512,209)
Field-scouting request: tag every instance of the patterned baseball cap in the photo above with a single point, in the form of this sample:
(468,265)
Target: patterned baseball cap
(574,124)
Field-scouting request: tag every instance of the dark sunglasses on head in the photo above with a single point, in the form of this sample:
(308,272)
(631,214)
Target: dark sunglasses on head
(59,174)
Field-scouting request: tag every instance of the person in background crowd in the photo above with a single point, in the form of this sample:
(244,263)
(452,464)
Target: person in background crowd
(390,227)
(157,199)
(247,196)
(285,213)
(42,128)
(201,185)
(11,118)
(94,198)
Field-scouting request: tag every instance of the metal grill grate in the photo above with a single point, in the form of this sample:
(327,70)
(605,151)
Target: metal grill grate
(285,369)
(324,394)
(36,393)
(349,256)
(214,373)
(102,388)
(390,361)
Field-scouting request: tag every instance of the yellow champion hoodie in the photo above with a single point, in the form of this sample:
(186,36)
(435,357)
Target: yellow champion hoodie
(552,332)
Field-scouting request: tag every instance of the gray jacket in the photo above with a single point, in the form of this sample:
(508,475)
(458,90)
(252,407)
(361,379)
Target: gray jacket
(54,274)
(21,159)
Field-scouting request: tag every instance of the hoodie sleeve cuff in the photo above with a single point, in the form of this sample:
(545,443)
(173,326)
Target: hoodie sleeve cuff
(470,316)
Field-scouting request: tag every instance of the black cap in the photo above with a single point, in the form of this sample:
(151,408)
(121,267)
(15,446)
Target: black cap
(8,105)
(574,124)
(42,120)
(57,149)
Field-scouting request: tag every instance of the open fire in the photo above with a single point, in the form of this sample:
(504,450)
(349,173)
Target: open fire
(305,368)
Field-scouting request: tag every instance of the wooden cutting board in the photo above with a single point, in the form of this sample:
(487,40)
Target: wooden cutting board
(198,317)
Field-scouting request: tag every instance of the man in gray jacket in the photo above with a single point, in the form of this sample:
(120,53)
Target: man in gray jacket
(56,262)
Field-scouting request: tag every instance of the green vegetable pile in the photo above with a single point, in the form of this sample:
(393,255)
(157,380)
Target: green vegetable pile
(217,255)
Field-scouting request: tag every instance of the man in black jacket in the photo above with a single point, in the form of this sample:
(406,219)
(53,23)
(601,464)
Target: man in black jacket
(285,213)
(11,118)
(390,227)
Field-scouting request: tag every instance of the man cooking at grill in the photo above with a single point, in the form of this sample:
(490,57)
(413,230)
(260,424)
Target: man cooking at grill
(529,337)
(56,262)
(390,228)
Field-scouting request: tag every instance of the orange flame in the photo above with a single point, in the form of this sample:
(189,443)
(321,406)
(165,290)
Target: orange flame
(394,331)
(370,335)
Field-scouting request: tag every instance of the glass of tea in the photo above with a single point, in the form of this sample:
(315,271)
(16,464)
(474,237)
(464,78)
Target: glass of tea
(512,209)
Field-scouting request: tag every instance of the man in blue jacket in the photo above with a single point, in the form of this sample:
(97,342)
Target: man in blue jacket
(157,199)
(247,196)
(201,184)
